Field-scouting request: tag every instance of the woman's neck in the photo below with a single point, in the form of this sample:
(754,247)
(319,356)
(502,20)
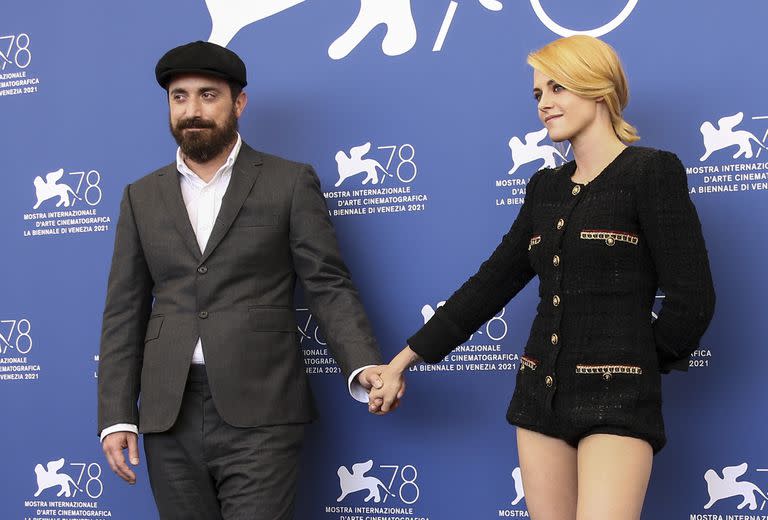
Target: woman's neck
(593,150)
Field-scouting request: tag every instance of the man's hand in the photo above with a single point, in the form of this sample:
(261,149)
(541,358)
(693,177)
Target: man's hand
(387,398)
(371,377)
(113,446)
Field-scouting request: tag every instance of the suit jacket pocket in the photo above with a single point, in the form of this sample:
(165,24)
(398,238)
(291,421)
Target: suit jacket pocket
(272,319)
(256,220)
(153,328)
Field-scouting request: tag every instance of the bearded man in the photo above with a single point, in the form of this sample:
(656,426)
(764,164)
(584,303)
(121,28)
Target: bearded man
(199,346)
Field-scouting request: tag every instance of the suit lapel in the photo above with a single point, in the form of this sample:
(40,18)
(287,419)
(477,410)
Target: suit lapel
(244,173)
(170,191)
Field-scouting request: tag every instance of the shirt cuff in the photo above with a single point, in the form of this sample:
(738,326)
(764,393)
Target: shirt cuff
(122,427)
(356,390)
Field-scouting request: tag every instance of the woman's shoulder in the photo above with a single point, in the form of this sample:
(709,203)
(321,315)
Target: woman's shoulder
(652,157)
(653,167)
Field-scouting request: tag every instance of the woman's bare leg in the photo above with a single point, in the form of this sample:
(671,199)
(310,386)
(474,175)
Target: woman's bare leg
(613,473)
(549,472)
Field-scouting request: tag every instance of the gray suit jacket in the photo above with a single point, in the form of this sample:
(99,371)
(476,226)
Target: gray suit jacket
(237,295)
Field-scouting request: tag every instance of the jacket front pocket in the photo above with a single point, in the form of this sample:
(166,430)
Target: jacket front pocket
(153,328)
(272,319)
(605,394)
(609,237)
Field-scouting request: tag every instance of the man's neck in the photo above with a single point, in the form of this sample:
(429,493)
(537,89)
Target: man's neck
(207,170)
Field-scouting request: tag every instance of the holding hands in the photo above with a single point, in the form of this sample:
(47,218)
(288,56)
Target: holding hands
(385,397)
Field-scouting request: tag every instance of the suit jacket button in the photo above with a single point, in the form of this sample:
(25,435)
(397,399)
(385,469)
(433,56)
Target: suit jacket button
(202,315)
(549,381)
(202,269)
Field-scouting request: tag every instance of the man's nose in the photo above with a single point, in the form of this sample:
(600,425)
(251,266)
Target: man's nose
(194,107)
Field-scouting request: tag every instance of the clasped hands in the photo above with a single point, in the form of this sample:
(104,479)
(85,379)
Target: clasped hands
(386,383)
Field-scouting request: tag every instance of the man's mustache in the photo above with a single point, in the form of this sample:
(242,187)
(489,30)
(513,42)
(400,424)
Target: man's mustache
(195,122)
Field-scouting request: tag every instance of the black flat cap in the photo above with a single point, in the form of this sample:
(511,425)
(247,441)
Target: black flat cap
(202,58)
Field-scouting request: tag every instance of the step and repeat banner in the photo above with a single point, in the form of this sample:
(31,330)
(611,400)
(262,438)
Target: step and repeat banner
(420,120)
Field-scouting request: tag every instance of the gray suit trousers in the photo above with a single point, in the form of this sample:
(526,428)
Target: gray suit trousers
(205,469)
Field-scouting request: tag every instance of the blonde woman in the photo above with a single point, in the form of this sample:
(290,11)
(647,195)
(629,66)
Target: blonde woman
(603,233)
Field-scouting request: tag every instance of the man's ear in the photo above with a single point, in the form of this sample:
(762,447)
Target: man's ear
(241,102)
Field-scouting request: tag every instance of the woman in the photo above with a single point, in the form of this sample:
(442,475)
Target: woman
(603,233)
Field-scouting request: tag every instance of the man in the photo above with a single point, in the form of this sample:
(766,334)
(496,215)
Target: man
(199,318)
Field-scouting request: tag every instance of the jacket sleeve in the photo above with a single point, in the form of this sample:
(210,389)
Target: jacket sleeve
(497,281)
(671,227)
(328,287)
(126,312)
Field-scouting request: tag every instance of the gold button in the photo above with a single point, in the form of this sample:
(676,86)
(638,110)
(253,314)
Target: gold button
(555,300)
(549,381)
(560,224)
(554,339)
(607,376)
(556,260)
(576,189)
(610,241)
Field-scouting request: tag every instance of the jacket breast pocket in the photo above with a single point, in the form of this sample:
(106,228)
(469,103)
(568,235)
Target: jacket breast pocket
(153,328)
(256,220)
(272,319)
(610,238)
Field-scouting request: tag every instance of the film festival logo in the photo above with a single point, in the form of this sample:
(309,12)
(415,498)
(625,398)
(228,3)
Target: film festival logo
(52,479)
(728,487)
(516,509)
(401,479)
(15,58)
(52,188)
(401,34)
(356,163)
(725,136)
(517,477)
(14,51)
(531,150)
(66,203)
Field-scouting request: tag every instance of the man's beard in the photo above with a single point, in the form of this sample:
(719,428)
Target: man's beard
(203,146)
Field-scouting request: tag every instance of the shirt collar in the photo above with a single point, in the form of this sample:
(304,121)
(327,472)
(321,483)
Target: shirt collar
(225,169)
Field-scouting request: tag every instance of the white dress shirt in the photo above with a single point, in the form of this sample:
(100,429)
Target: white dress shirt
(203,202)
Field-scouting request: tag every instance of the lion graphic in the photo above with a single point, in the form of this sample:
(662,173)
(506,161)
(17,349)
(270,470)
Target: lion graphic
(49,478)
(357,481)
(48,189)
(727,487)
(354,164)
(519,491)
(724,136)
(524,153)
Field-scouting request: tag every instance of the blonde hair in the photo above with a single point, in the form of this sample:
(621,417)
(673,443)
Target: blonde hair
(590,68)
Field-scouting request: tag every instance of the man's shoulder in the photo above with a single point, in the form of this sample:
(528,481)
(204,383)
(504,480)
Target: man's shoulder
(148,181)
(270,162)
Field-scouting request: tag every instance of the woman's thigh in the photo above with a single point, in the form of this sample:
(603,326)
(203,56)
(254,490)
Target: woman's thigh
(613,473)
(549,473)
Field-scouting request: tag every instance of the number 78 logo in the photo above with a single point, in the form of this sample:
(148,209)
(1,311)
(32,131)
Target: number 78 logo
(15,334)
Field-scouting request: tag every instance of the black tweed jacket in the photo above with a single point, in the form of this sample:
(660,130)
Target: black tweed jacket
(601,252)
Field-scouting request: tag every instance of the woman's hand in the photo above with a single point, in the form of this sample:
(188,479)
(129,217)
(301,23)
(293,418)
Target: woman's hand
(387,398)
